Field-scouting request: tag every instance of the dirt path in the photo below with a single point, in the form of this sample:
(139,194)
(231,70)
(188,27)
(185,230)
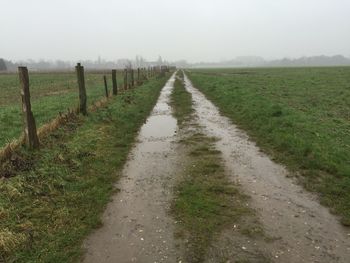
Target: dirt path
(136,227)
(304,230)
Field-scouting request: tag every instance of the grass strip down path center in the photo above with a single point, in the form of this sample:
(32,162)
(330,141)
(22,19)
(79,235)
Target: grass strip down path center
(206,202)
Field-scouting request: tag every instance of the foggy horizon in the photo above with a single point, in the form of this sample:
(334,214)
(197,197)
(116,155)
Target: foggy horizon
(147,60)
(196,31)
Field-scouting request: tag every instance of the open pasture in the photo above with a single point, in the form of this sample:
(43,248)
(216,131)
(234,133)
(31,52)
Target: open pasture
(300,116)
(51,93)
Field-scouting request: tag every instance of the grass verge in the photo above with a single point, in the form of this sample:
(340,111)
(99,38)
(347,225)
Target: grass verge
(51,93)
(299,116)
(205,201)
(59,192)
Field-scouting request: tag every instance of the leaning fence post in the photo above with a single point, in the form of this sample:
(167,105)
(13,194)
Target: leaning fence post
(114,81)
(82,91)
(31,136)
(106,87)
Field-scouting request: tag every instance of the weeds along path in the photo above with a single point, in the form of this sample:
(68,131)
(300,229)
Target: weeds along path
(136,227)
(301,229)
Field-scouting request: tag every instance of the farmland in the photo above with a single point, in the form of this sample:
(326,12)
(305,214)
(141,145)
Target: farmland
(300,116)
(56,195)
(51,93)
(214,164)
(187,132)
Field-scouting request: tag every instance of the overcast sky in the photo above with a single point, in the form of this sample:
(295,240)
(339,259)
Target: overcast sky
(196,30)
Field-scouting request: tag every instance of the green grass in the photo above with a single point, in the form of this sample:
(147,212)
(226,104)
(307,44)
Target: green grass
(51,93)
(181,101)
(300,116)
(59,192)
(205,201)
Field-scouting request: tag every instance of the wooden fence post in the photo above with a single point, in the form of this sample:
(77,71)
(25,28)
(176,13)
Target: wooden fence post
(125,79)
(138,76)
(106,87)
(114,81)
(162,71)
(82,91)
(132,78)
(31,136)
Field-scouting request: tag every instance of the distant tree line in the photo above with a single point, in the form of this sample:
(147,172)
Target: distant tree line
(99,63)
(3,66)
(254,61)
(139,61)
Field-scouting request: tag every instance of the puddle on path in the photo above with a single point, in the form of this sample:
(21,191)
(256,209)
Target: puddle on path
(305,230)
(136,227)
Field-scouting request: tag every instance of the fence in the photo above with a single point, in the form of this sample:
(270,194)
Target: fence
(131,78)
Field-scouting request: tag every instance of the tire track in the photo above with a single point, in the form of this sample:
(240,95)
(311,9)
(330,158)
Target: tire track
(136,226)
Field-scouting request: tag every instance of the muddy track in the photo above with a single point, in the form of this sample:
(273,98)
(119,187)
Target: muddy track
(136,226)
(303,230)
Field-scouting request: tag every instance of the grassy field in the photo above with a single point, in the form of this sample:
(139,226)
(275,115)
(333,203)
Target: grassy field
(58,193)
(51,93)
(300,116)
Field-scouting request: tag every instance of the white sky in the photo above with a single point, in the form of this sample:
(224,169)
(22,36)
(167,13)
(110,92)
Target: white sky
(196,30)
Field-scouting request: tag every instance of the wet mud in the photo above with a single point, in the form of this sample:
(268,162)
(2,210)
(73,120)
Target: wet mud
(136,225)
(299,229)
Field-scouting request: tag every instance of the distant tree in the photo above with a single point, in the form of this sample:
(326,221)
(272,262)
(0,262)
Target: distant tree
(160,61)
(60,64)
(128,64)
(139,61)
(2,65)
(142,62)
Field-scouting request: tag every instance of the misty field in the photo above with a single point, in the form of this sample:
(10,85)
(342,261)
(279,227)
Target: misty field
(51,93)
(300,116)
